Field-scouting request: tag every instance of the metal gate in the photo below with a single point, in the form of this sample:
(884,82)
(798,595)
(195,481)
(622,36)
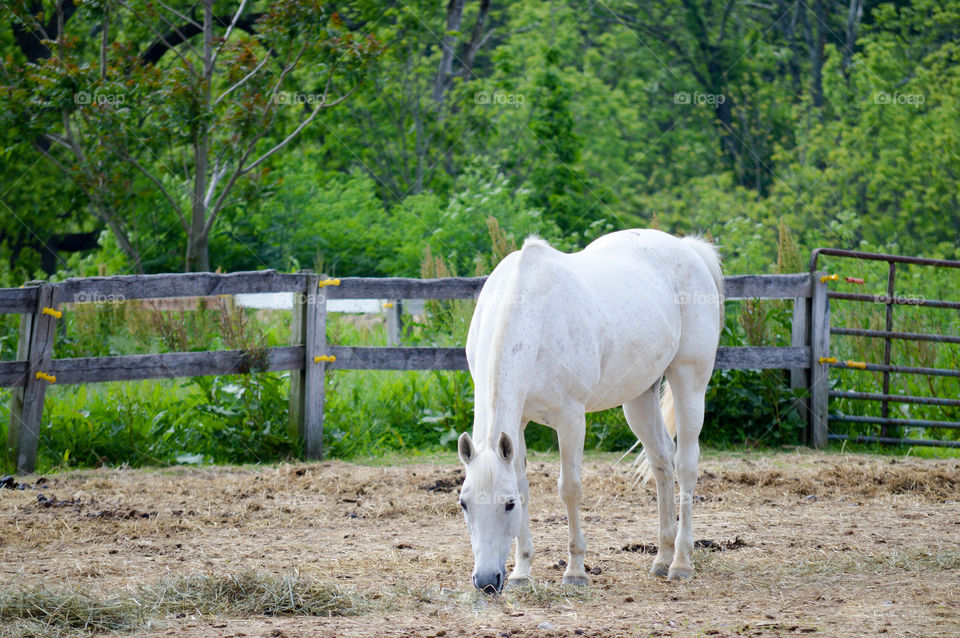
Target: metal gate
(944,392)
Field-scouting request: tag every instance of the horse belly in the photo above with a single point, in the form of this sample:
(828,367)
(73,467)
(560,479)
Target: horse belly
(630,372)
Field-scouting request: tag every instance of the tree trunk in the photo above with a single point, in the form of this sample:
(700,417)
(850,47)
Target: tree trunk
(816,55)
(854,15)
(198,253)
(198,257)
(454,16)
(477,38)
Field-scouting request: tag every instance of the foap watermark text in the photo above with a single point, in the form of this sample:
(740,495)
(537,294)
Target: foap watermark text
(699,99)
(499,98)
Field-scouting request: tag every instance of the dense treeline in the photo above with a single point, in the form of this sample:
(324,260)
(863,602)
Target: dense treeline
(353,137)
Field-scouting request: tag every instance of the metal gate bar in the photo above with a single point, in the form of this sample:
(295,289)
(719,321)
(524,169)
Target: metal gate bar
(876,367)
(896,301)
(881,439)
(920,423)
(896,398)
(889,334)
(890,299)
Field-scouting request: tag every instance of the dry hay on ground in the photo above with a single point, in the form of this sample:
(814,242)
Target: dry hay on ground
(792,544)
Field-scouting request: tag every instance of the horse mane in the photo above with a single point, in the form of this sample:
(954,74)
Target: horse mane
(484,469)
(532,246)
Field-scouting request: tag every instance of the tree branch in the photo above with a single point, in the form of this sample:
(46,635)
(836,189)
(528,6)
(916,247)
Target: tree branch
(156,181)
(477,40)
(244,79)
(180,34)
(226,36)
(323,105)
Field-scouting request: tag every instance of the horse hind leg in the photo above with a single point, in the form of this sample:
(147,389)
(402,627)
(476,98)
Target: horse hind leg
(645,419)
(689,386)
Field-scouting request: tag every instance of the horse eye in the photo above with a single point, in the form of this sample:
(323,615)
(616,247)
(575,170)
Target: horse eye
(510,505)
(463,506)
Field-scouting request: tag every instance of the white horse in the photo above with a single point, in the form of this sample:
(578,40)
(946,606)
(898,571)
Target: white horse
(556,335)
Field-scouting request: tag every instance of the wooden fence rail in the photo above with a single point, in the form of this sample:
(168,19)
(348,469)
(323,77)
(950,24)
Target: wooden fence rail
(308,356)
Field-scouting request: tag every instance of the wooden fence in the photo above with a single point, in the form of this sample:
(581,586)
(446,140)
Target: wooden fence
(309,357)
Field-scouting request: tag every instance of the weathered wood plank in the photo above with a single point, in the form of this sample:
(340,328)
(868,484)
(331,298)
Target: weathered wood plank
(315,323)
(404,288)
(222,362)
(12,375)
(767,286)
(18,300)
(736,287)
(172,365)
(34,390)
(369,358)
(120,288)
(819,348)
(761,358)
(203,284)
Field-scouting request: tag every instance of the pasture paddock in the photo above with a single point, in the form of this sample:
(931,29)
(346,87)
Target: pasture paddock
(814,544)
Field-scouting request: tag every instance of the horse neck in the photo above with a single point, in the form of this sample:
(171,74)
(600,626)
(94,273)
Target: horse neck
(509,363)
(503,383)
(501,412)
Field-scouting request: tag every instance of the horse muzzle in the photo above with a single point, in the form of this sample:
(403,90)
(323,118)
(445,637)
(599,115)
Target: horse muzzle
(491,583)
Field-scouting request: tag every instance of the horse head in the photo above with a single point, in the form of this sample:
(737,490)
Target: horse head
(490,500)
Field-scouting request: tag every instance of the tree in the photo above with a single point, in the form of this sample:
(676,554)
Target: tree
(173,107)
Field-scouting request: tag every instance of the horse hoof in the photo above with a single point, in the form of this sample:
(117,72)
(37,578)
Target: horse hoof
(513,583)
(660,570)
(578,581)
(680,573)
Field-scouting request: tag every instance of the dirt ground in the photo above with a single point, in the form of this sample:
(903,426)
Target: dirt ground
(793,543)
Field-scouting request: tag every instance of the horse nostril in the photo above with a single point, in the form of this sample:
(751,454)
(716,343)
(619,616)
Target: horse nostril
(498,581)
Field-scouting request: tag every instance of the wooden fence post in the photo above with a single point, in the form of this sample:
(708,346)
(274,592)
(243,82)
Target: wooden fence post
(819,370)
(16,399)
(298,337)
(309,328)
(26,414)
(800,337)
(394,321)
(315,322)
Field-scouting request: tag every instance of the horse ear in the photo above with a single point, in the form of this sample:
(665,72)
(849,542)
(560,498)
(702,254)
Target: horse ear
(505,447)
(465,448)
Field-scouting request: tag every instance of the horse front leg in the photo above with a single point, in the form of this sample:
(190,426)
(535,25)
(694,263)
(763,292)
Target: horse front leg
(571,435)
(521,568)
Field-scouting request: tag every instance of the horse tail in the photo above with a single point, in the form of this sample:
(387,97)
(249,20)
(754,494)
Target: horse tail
(709,255)
(642,470)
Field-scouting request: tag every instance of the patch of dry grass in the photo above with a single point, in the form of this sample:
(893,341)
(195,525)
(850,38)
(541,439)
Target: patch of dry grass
(44,611)
(249,594)
(54,611)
